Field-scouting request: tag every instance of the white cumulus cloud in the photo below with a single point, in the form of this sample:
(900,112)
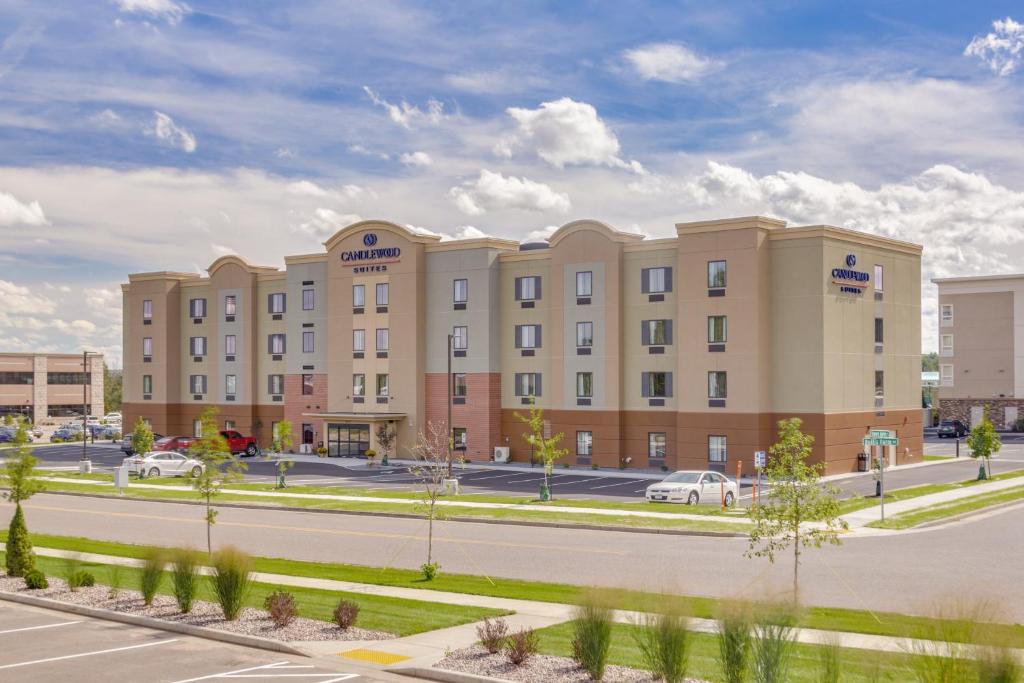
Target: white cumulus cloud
(168,10)
(405,114)
(416,159)
(1002,49)
(22,301)
(166,130)
(324,222)
(493,192)
(669,62)
(13,212)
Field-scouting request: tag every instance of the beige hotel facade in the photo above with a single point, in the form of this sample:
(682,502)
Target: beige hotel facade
(677,353)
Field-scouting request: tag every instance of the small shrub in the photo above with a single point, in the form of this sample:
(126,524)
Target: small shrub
(521,646)
(232,578)
(20,559)
(492,634)
(429,570)
(185,576)
(773,641)
(595,466)
(346,613)
(663,641)
(734,641)
(80,579)
(35,580)
(281,607)
(592,633)
(830,661)
(152,574)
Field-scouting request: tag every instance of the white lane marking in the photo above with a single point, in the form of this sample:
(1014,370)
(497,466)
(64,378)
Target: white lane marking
(621,483)
(496,476)
(272,670)
(36,628)
(88,654)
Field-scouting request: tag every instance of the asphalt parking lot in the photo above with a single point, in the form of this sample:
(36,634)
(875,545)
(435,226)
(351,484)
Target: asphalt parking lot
(46,645)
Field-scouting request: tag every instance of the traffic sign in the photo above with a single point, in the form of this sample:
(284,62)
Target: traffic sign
(759,459)
(881,434)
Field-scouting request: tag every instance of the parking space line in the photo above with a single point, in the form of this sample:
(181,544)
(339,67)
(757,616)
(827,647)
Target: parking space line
(621,483)
(36,628)
(324,677)
(88,654)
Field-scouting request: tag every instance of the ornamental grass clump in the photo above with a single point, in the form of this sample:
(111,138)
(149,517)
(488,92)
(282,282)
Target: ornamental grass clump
(941,650)
(734,624)
(830,661)
(774,637)
(346,613)
(592,636)
(232,579)
(152,574)
(185,577)
(663,641)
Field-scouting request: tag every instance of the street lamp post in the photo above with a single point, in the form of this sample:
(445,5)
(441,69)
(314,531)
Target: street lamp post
(451,379)
(85,410)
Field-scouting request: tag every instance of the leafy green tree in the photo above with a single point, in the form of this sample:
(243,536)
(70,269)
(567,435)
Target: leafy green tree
(142,437)
(283,442)
(219,467)
(545,447)
(19,477)
(112,388)
(984,442)
(799,511)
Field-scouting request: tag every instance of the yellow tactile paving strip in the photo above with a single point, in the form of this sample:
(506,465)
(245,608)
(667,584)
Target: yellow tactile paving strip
(373,656)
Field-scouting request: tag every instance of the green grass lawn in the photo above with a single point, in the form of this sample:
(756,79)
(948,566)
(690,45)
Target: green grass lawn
(379,613)
(857,665)
(827,618)
(936,458)
(860,503)
(951,509)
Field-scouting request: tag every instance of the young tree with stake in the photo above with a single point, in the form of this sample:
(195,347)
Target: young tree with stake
(385,439)
(283,442)
(220,467)
(142,437)
(544,446)
(795,498)
(19,477)
(433,459)
(984,442)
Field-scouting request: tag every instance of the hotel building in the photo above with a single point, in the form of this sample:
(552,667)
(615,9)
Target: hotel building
(981,348)
(676,353)
(43,385)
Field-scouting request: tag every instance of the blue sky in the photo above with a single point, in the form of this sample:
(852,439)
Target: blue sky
(156,134)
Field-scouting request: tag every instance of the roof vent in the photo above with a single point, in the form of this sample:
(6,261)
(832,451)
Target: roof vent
(531,246)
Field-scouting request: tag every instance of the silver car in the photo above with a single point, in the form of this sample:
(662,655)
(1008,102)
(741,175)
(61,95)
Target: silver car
(164,464)
(693,487)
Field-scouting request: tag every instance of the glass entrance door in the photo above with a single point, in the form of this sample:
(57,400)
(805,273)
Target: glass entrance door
(347,440)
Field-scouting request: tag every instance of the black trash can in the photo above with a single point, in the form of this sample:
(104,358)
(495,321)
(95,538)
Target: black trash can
(862,462)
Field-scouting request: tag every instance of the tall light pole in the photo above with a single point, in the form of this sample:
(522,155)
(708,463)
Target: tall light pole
(451,380)
(85,401)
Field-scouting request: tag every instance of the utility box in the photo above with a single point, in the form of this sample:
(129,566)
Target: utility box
(121,477)
(450,487)
(85,466)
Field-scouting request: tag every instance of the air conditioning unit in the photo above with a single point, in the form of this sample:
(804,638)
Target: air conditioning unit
(501,454)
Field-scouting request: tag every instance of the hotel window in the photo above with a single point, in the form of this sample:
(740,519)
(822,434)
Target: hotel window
(459,384)
(527,336)
(656,332)
(147,384)
(147,309)
(229,344)
(197,383)
(307,341)
(230,384)
(716,274)
(307,299)
(275,303)
(382,339)
(584,385)
(656,384)
(655,280)
(197,429)
(460,338)
(307,385)
(584,283)
(275,384)
(460,438)
(528,384)
(717,329)
(584,444)
(528,288)
(230,304)
(946,375)
(717,384)
(147,347)
(879,384)
(359,385)
(359,340)
(879,330)
(197,308)
(460,291)
(585,334)
(382,294)
(657,445)
(947,314)
(946,345)
(275,344)
(382,385)
(229,424)
(197,346)
(878,278)
(717,450)
(358,296)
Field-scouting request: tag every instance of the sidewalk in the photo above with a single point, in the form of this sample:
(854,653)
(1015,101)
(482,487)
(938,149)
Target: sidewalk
(426,649)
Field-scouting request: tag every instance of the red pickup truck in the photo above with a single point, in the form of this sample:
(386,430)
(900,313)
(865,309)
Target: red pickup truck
(240,444)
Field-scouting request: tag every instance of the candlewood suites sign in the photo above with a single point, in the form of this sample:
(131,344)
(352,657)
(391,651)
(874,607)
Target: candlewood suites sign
(373,259)
(850,281)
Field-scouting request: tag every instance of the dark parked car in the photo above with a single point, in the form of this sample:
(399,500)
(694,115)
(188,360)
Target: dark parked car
(953,429)
(126,443)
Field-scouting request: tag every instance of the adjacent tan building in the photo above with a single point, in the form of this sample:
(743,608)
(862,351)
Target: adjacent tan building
(43,385)
(675,353)
(981,348)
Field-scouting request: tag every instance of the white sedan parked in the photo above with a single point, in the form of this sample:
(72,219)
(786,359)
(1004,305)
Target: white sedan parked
(164,464)
(693,487)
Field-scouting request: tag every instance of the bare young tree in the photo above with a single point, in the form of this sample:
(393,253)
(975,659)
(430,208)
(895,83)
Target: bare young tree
(433,461)
(385,439)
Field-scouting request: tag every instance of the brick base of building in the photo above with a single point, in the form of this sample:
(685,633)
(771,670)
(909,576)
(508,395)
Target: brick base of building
(960,409)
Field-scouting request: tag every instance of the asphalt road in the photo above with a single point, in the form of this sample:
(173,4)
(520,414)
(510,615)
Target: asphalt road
(48,645)
(909,572)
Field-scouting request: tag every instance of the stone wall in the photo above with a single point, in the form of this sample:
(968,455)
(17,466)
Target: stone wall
(960,409)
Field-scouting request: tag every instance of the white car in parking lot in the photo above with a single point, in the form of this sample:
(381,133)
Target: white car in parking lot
(164,464)
(693,487)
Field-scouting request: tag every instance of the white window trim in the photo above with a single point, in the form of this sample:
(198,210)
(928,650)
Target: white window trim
(943,320)
(945,350)
(944,380)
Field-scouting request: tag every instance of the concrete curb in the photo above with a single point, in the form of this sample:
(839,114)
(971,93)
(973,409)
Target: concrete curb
(158,624)
(1001,507)
(401,515)
(444,675)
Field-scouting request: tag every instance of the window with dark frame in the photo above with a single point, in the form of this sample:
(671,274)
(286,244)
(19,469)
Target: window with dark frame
(527,336)
(717,329)
(229,345)
(358,340)
(308,341)
(584,385)
(147,347)
(383,339)
(460,337)
(716,274)
(308,299)
(197,308)
(657,445)
(197,346)
(584,444)
(382,294)
(584,283)
(717,449)
(717,384)
(307,385)
(230,304)
(230,385)
(276,344)
(879,330)
(147,384)
(147,309)
(656,384)
(460,438)
(198,384)
(528,384)
(656,280)
(879,384)
(459,389)
(359,384)
(275,303)
(584,334)
(528,288)
(275,384)
(656,332)
(382,385)
(358,296)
